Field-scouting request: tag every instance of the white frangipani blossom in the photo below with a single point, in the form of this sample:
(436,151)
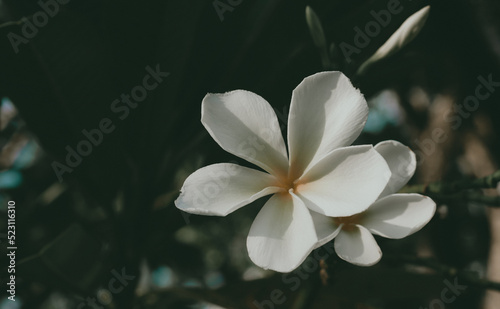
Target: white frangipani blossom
(319,172)
(393,215)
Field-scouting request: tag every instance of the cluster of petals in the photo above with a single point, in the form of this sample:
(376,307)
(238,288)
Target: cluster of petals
(393,215)
(317,183)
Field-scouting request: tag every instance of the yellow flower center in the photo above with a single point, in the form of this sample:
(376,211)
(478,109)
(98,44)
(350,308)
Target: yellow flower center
(287,184)
(349,222)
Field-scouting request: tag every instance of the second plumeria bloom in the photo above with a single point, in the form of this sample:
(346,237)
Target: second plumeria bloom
(318,173)
(393,215)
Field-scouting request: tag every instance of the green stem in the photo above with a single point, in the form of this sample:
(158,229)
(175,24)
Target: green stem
(458,190)
(12,23)
(490,181)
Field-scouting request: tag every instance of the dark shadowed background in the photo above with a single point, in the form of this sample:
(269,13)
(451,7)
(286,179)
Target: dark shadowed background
(109,231)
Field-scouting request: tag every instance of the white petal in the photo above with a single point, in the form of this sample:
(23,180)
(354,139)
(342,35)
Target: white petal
(345,182)
(220,189)
(326,113)
(398,215)
(404,35)
(401,161)
(282,235)
(326,229)
(356,245)
(244,124)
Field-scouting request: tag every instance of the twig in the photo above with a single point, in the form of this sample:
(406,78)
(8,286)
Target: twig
(487,182)
(12,23)
(308,294)
(492,201)
(458,190)
(466,276)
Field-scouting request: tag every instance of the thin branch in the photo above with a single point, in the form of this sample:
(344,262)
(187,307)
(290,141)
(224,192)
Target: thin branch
(12,23)
(460,190)
(466,276)
(487,182)
(492,201)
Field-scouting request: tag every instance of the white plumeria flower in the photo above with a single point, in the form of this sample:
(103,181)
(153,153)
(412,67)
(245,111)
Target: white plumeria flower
(392,215)
(326,114)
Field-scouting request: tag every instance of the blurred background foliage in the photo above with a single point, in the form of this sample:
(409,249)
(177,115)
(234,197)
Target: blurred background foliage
(115,211)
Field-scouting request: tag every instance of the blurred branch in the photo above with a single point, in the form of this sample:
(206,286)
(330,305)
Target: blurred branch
(308,294)
(303,289)
(451,191)
(237,294)
(492,201)
(490,181)
(12,23)
(467,277)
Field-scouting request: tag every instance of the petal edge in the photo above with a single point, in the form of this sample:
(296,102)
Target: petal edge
(326,112)
(346,182)
(282,235)
(399,215)
(219,189)
(245,125)
(358,246)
